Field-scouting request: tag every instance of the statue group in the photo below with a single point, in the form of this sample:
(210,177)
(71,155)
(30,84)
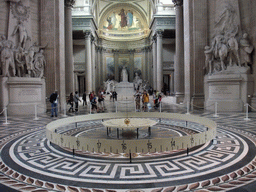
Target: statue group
(227,48)
(22,60)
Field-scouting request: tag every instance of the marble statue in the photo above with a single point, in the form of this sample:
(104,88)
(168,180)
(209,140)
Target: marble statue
(245,50)
(109,86)
(7,57)
(137,81)
(20,62)
(208,60)
(233,48)
(39,64)
(23,36)
(124,75)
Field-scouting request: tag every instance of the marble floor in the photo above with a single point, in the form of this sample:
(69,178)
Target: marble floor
(28,162)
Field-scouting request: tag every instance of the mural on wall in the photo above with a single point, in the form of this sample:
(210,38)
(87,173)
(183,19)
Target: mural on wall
(138,65)
(123,19)
(110,68)
(123,63)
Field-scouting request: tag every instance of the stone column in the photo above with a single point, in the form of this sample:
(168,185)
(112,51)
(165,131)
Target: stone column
(179,52)
(116,56)
(149,66)
(154,62)
(69,65)
(93,65)
(159,60)
(88,59)
(131,64)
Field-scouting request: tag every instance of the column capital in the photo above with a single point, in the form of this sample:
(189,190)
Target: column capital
(131,51)
(159,33)
(87,34)
(69,3)
(115,51)
(177,2)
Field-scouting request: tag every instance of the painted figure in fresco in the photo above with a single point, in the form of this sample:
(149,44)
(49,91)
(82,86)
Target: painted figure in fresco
(129,18)
(123,22)
(110,25)
(23,36)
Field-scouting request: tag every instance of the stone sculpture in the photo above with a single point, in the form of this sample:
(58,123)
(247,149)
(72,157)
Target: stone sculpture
(23,36)
(137,81)
(20,62)
(7,57)
(39,64)
(226,53)
(124,75)
(245,50)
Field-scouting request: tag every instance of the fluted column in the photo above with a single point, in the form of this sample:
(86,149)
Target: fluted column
(159,60)
(179,53)
(154,62)
(69,64)
(93,64)
(145,68)
(88,49)
(149,66)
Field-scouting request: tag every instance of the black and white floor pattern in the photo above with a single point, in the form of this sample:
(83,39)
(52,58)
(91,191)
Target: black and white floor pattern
(29,162)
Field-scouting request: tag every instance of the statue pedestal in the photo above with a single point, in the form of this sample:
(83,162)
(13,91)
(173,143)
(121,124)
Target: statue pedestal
(21,94)
(230,91)
(125,89)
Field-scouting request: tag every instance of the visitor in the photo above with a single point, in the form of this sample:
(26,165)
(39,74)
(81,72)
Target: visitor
(54,103)
(84,99)
(94,104)
(137,100)
(114,96)
(71,102)
(145,100)
(76,99)
(101,100)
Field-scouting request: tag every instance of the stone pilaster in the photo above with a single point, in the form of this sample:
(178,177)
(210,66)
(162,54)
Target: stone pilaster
(179,53)
(159,61)
(88,74)
(69,64)
(145,66)
(52,31)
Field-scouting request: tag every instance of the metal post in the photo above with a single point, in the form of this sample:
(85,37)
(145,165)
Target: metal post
(216,110)
(160,107)
(5,115)
(188,108)
(36,118)
(65,110)
(90,108)
(137,133)
(117,133)
(116,106)
(246,112)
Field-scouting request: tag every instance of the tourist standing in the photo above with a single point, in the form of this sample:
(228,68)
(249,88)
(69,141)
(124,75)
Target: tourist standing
(84,99)
(71,102)
(76,99)
(137,100)
(114,95)
(145,100)
(54,103)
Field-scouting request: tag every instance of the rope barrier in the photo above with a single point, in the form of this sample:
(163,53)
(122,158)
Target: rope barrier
(2,112)
(252,107)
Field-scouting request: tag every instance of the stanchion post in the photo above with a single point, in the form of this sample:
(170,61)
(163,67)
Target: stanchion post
(5,115)
(216,110)
(160,107)
(188,108)
(90,108)
(116,106)
(246,112)
(36,118)
(65,110)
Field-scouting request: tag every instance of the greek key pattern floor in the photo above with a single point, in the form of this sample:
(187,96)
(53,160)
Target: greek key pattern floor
(30,163)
